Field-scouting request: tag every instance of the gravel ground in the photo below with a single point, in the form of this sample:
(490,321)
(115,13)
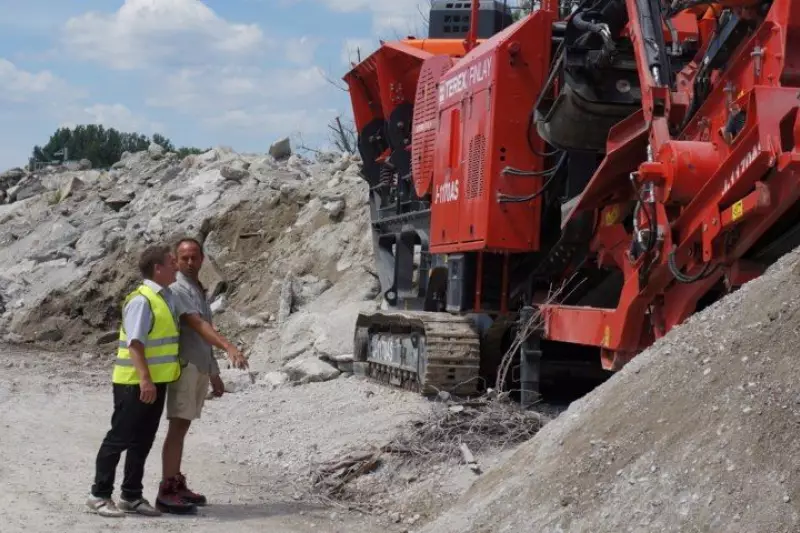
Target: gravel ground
(250,453)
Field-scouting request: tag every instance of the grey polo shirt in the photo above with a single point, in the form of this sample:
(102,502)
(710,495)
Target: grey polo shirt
(138,318)
(193,349)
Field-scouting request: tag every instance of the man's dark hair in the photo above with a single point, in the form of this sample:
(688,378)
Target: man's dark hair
(152,256)
(189,239)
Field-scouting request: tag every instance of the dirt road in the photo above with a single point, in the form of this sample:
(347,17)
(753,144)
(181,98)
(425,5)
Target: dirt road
(54,411)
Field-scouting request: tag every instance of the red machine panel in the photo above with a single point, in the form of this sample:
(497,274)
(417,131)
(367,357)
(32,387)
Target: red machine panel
(426,121)
(447,179)
(484,104)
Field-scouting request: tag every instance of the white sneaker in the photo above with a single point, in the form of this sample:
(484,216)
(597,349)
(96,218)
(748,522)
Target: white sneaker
(140,506)
(104,507)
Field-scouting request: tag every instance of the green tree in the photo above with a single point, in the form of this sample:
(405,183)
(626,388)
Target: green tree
(103,147)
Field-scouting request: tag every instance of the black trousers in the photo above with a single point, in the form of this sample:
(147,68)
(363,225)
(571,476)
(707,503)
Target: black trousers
(134,425)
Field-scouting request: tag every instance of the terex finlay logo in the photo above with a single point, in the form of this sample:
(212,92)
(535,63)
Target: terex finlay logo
(468,77)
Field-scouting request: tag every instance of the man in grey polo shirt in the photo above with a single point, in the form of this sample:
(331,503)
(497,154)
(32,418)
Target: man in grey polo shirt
(186,397)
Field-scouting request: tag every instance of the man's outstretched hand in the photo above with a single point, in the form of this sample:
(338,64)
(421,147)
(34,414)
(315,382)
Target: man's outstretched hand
(237,359)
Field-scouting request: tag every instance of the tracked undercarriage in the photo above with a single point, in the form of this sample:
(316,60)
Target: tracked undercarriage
(425,352)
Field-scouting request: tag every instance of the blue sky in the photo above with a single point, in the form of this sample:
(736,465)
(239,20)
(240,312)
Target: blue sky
(239,73)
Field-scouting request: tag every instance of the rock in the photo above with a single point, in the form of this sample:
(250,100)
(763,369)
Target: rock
(237,380)
(72,184)
(50,335)
(288,190)
(66,267)
(306,289)
(218,305)
(84,164)
(343,362)
(11,177)
(281,149)
(156,151)
(275,379)
(342,164)
(286,299)
(335,208)
(236,171)
(309,370)
(204,201)
(108,337)
(119,200)
(28,187)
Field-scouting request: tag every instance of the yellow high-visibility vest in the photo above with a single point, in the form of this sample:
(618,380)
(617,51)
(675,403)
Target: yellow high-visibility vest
(161,347)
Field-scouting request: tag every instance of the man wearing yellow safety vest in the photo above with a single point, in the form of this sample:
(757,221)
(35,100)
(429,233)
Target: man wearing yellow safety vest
(147,360)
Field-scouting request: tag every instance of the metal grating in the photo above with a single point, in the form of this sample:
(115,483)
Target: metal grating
(477,154)
(426,123)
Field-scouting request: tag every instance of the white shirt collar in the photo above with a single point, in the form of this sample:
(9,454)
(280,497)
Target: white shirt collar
(153,285)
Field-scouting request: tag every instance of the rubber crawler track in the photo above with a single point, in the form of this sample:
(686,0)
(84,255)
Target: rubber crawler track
(451,359)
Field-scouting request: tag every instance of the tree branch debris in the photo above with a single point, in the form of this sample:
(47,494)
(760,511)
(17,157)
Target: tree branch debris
(453,432)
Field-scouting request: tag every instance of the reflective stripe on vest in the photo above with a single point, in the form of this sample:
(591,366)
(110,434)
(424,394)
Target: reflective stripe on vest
(160,347)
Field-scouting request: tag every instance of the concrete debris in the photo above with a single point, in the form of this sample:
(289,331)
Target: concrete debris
(281,149)
(343,363)
(275,379)
(271,258)
(310,370)
(156,151)
(237,380)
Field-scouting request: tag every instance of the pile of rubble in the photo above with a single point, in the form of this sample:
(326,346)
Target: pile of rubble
(289,254)
(698,433)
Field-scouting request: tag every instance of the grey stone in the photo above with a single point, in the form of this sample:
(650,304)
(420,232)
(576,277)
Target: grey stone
(156,151)
(237,380)
(118,200)
(235,174)
(11,177)
(28,187)
(107,337)
(309,370)
(275,379)
(204,201)
(281,149)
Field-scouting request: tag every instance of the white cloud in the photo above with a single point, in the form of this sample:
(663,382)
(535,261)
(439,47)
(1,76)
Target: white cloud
(147,32)
(390,18)
(20,86)
(197,91)
(310,122)
(301,50)
(116,116)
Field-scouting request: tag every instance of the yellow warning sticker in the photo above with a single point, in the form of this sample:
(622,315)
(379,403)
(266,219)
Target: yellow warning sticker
(607,336)
(611,216)
(737,210)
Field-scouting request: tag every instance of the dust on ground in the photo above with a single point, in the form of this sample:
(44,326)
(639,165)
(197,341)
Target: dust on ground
(250,453)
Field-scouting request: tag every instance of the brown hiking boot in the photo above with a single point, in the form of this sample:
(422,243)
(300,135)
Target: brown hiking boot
(186,494)
(170,500)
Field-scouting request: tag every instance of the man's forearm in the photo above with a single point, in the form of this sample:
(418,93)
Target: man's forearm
(139,361)
(209,334)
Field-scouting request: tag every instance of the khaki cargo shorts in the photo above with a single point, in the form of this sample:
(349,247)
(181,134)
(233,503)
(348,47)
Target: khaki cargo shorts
(185,397)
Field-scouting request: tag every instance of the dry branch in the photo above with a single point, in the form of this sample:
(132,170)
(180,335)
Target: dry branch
(446,435)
